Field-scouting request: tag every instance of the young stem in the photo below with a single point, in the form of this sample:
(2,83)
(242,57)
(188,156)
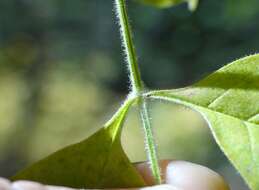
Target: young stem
(150,142)
(137,86)
(135,78)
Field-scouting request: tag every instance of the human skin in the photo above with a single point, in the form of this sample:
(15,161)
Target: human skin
(177,175)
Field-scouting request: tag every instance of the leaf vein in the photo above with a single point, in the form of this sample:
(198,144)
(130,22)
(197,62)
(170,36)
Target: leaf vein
(191,104)
(218,97)
(250,143)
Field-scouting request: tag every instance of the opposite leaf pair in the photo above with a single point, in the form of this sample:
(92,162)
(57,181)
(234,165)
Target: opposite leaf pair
(228,100)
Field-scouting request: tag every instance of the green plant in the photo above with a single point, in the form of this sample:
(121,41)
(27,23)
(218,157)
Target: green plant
(227,99)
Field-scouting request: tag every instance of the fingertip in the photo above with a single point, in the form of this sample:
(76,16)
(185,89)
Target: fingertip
(182,175)
(5,184)
(27,185)
(190,176)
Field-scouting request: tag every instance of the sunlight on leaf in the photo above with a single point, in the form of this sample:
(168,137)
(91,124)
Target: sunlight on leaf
(229,101)
(192,4)
(97,162)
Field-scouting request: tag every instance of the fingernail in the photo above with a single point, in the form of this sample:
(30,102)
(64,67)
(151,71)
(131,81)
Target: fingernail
(27,185)
(5,184)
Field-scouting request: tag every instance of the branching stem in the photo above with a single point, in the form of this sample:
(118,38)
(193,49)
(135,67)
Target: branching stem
(137,86)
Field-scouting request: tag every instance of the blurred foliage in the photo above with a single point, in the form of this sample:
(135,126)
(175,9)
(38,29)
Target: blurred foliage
(61,73)
(192,4)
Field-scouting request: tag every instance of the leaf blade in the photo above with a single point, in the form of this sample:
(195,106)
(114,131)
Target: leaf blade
(97,162)
(229,101)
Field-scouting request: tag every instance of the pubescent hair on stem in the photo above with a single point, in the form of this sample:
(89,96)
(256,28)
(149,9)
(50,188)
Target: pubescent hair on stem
(129,49)
(137,86)
(150,141)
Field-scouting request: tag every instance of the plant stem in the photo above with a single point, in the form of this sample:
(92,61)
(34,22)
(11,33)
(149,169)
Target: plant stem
(126,35)
(137,86)
(150,142)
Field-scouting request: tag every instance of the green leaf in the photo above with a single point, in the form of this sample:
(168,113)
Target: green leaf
(229,101)
(192,4)
(97,162)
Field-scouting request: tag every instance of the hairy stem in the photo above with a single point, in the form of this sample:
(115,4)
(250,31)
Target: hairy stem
(126,35)
(150,142)
(137,86)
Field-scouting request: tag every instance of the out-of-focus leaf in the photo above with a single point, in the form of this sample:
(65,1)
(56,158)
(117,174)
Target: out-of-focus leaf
(229,101)
(192,4)
(97,162)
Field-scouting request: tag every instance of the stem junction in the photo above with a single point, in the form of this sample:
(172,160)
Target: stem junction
(137,86)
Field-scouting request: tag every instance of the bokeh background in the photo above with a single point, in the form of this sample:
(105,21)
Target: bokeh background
(62,74)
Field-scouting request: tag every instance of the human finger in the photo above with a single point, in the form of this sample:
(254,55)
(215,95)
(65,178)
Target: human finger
(184,175)
(177,175)
(4,184)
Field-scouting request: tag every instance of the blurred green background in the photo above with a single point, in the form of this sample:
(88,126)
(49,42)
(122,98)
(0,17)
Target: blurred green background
(62,74)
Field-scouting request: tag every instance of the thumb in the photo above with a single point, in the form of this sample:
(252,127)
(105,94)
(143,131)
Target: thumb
(182,175)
